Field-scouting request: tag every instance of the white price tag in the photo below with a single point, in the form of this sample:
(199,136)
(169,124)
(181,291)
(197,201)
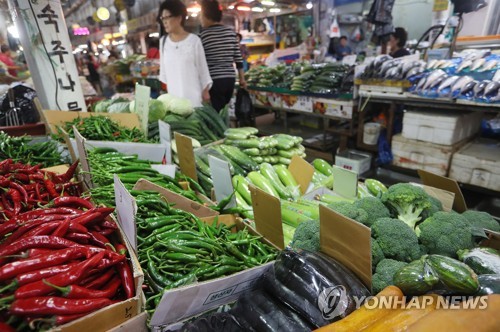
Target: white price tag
(82,153)
(168,170)
(126,209)
(221,175)
(142,94)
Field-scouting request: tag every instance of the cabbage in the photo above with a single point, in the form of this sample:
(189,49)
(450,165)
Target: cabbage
(102,106)
(180,106)
(132,106)
(157,110)
(121,107)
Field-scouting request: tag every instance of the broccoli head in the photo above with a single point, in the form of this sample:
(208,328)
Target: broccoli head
(350,211)
(396,239)
(374,208)
(384,272)
(407,202)
(445,233)
(481,219)
(377,253)
(306,236)
(436,206)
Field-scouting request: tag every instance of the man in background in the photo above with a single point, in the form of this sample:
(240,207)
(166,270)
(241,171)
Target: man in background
(342,49)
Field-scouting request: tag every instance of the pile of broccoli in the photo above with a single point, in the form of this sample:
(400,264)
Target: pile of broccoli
(405,224)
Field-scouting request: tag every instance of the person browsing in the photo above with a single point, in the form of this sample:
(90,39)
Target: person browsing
(183,67)
(397,42)
(222,50)
(342,48)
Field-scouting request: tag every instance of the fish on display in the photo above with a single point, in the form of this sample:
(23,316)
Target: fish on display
(477,64)
(496,77)
(431,64)
(433,77)
(460,83)
(407,66)
(479,88)
(445,64)
(379,60)
(437,82)
(463,65)
(468,87)
(447,83)
(489,65)
(388,65)
(491,89)
(414,71)
(393,73)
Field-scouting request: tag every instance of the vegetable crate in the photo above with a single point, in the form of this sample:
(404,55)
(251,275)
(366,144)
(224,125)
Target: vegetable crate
(298,103)
(331,107)
(266,99)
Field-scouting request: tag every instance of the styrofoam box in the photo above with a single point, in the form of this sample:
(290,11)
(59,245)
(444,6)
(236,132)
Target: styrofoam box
(353,160)
(440,128)
(297,103)
(333,107)
(478,163)
(413,154)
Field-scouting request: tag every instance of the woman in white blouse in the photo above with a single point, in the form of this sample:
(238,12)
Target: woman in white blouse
(183,67)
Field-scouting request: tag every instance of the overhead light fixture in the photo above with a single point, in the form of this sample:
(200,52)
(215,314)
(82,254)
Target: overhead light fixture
(230,7)
(154,35)
(309,5)
(103,13)
(194,14)
(13,31)
(268,3)
(257,9)
(244,8)
(274,10)
(194,8)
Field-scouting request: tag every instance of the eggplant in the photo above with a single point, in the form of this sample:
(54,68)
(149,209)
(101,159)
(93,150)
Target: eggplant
(288,296)
(257,310)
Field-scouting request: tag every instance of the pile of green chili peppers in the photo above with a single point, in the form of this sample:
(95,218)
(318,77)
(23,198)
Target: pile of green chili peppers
(106,162)
(23,150)
(176,248)
(101,128)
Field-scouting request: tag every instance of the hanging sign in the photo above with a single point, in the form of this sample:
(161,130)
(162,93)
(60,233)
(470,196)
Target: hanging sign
(45,40)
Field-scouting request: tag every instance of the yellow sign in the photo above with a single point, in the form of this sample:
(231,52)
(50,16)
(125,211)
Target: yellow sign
(440,5)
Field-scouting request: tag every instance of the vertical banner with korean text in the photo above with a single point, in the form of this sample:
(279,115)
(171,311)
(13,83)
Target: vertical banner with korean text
(45,40)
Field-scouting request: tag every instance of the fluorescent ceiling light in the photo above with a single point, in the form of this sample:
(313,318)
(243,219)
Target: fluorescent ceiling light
(268,3)
(309,5)
(274,10)
(230,7)
(257,9)
(244,8)
(154,35)
(103,13)
(13,31)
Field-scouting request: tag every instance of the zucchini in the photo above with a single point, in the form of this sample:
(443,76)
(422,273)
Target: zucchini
(311,211)
(375,187)
(363,191)
(262,183)
(239,157)
(481,260)
(415,278)
(457,277)
(488,284)
(322,166)
(285,176)
(269,173)
(245,143)
(284,161)
(214,119)
(236,136)
(318,178)
(328,199)
(240,184)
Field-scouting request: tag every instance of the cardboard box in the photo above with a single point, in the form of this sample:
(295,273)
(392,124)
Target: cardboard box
(116,314)
(146,151)
(136,324)
(356,161)
(297,103)
(332,107)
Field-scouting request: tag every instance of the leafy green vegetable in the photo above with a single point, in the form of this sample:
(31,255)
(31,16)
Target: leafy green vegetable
(374,208)
(306,236)
(396,239)
(157,110)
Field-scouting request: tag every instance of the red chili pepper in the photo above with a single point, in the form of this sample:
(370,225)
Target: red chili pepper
(78,238)
(21,190)
(99,281)
(63,228)
(100,240)
(20,177)
(4,327)
(73,201)
(15,196)
(107,232)
(21,231)
(111,261)
(42,241)
(66,177)
(125,272)
(58,257)
(51,188)
(109,224)
(79,292)
(52,305)
(72,276)
(77,228)
(38,177)
(32,253)
(44,229)
(30,277)
(6,204)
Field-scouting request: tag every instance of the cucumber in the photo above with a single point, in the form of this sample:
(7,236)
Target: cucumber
(284,142)
(236,136)
(292,218)
(312,212)
(258,159)
(285,176)
(328,199)
(415,278)
(322,166)
(457,277)
(269,173)
(481,260)
(262,183)
(240,183)
(252,143)
(205,182)
(488,284)
(318,178)
(201,166)
(363,191)
(240,201)
(252,152)
(284,161)
(213,119)
(375,187)
(239,157)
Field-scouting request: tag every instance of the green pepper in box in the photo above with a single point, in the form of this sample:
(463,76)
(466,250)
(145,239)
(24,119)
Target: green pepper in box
(375,187)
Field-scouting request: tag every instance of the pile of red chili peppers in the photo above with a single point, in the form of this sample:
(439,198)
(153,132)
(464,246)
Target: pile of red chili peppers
(24,187)
(60,262)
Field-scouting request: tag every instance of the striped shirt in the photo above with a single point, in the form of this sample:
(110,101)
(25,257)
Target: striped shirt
(221,50)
